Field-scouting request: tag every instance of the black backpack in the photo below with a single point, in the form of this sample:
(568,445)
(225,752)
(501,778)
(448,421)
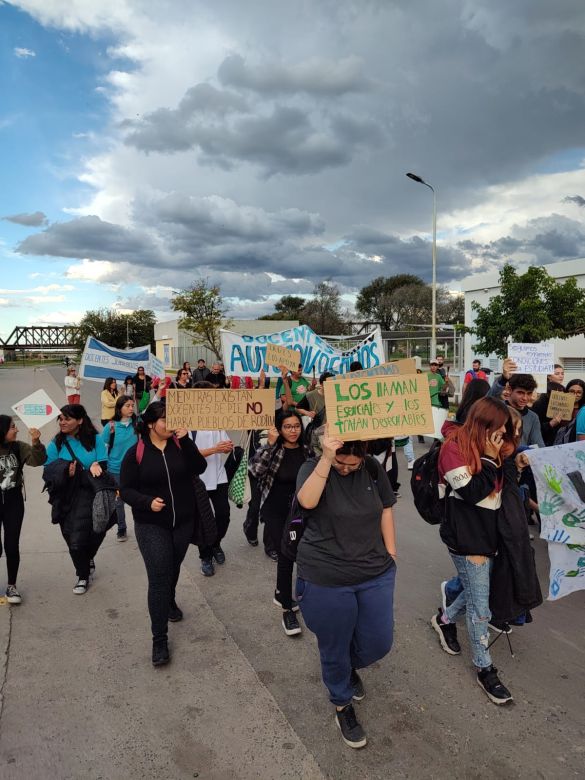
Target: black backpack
(296,522)
(567,434)
(424,482)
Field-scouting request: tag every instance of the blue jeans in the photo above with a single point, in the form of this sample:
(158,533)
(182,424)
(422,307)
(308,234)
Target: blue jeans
(354,625)
(120,513)
(408,450)
(474,602)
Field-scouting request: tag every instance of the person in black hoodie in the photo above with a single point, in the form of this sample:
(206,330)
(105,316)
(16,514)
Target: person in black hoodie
(156,481)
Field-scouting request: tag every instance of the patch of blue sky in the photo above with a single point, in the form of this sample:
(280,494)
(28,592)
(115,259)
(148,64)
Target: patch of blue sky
(563,161)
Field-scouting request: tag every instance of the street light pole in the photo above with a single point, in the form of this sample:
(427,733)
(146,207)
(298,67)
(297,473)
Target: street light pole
(418,179)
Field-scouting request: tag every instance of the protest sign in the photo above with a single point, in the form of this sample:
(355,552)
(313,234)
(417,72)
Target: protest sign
(406,366)
(99,361)
(560,405)
(533,358)
(378,407)
(559,473)
(246,355)
(155,367)
(216,410)
(277,355)
(36,409)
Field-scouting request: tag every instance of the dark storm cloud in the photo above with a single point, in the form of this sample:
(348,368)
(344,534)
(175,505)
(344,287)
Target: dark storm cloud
(37,219)
(316,76)
(575,199)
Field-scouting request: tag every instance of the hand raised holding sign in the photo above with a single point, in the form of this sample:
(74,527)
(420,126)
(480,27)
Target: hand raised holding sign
(330,445)
(509,367)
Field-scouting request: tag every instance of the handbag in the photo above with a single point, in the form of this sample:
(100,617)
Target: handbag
(239,490)
(234,459)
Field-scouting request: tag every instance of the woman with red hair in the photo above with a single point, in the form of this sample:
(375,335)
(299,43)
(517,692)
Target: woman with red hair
(471,479)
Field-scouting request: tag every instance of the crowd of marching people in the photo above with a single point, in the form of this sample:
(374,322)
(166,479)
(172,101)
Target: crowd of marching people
(323,503)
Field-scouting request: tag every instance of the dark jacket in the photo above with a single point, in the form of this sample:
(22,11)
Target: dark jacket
(200,374)
(12,459)
(514,585)
(219,380)
(165,474)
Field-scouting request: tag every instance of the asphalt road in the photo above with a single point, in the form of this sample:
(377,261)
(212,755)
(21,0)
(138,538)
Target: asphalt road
(79,698)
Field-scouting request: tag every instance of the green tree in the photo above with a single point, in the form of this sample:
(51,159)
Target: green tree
(203,313)
(119,330)
(530,307)
(376,302)
(324,313)
(289,307)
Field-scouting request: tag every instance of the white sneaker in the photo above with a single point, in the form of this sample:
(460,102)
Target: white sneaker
(81,587)
(12,595)
(410,465)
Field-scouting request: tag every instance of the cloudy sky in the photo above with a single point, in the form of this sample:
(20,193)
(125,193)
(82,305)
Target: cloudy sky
(263,145)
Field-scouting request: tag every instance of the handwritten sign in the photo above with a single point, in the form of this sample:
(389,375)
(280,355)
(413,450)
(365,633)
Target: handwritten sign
(378,407)
(36,409)
(282,356)
(560,405)
(533,358)
(216,410)
(406,366)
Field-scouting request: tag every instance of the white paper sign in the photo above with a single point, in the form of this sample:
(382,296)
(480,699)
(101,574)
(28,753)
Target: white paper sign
(533,358)
(36,409)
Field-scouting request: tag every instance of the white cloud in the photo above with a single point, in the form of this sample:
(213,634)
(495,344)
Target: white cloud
(24,53)
(91,271)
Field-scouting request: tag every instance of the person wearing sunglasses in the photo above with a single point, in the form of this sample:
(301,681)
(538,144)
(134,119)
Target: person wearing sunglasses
(142,386)
(346,569)
(183,380)
(276,466)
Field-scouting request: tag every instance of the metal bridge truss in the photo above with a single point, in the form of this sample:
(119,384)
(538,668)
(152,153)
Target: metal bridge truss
(42,337)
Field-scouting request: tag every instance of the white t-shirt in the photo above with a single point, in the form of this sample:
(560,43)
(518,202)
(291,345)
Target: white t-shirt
(214,474)
(72,385)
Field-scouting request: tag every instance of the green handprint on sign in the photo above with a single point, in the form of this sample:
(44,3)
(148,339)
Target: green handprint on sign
(580,456)
(550,504)
(553,479)
(573,519)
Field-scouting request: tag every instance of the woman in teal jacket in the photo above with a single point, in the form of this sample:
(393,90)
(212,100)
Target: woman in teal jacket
(118,436)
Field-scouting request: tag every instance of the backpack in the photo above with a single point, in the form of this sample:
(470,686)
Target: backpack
(424,483)
(567,434)
(296,522)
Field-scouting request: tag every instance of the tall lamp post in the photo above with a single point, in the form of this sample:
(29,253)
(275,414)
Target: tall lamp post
(418,179)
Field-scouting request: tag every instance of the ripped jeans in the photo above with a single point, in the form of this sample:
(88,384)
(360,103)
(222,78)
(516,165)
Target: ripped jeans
(474,602)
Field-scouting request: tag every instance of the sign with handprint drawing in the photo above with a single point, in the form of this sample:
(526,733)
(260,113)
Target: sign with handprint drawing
(559,473)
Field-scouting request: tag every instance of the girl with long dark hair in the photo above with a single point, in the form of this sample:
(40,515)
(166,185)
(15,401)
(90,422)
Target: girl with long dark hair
(276,466)
(142,385)
(119,435)
(108,397)
(156,481)
(14,455)
(76,455)
(471,478)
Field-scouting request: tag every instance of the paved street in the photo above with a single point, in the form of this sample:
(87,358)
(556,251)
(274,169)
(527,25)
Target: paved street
(79,698)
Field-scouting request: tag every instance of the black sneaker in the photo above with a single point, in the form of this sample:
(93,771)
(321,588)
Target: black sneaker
(250,538)
(207,568)
(278,603)
(358,687)
(447,634)
(160,652)
(290,623)
(219,555)
(490,682)
(91,567)
(175,613)
(272,554)
(121,536)
(351,731)
(500,626)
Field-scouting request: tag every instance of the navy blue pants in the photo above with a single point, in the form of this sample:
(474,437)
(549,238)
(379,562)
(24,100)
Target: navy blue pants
(354,626)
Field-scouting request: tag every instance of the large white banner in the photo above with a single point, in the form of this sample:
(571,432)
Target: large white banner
(246,355)
(559,473)
(99,361)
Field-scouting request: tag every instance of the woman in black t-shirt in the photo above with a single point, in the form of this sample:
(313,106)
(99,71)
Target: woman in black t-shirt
(276,466)
(346,569)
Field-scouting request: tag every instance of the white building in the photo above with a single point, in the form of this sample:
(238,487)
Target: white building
(175,346)
(481,287)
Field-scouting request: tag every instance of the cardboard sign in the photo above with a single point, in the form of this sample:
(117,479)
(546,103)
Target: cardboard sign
(217,410)
(378,407)
(533,358)
(562,404)
(406,366)
(36,409)
(282,356)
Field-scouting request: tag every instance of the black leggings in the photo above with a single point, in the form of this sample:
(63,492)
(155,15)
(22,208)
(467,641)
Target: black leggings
(163,551)
(221,510)
(274,528)
(11,516)
(82,555)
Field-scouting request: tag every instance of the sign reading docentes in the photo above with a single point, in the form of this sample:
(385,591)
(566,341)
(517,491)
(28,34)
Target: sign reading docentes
(216,410)
(378,407)
(561,405)
(406,366)
(282,356)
